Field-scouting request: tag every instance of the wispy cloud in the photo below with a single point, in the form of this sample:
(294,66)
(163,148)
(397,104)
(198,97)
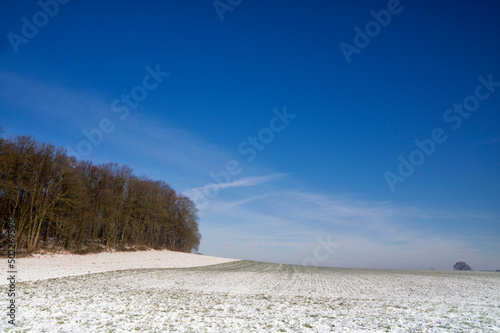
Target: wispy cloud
(40,98)
(256,214)
(284,225)
(242,182)
(137,137)
(252,181)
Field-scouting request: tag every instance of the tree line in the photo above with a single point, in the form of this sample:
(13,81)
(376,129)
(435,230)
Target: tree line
(59,202)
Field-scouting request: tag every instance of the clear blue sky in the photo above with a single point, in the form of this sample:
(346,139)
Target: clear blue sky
(310,116)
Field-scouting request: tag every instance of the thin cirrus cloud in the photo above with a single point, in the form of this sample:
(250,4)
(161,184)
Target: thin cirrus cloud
(171,151)
(339,211)
(135,137)
(368,234)
(169,146)
(315,208)
(242,182)
(40,98)
(385,233)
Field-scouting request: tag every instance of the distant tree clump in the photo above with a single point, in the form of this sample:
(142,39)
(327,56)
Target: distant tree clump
(461,266)
(57,201)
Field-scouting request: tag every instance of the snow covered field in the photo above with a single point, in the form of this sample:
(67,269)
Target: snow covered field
(46,266)
(246,296)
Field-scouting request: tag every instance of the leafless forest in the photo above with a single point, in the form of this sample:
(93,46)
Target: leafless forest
(59,202)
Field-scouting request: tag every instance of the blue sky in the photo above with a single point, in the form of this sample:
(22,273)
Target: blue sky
(300,133)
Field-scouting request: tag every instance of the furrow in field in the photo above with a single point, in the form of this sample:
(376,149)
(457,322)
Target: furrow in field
(261,297)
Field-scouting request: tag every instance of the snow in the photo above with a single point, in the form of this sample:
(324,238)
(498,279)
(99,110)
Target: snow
(246,296)
(47,266)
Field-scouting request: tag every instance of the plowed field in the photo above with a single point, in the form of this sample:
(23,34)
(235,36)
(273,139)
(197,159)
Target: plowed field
(246,296)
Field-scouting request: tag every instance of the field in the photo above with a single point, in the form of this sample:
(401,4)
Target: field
(246,296)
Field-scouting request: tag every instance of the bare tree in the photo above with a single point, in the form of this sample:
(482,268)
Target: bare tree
(462,266)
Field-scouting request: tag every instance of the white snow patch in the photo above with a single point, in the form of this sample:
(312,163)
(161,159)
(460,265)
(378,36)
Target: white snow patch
(48,266)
